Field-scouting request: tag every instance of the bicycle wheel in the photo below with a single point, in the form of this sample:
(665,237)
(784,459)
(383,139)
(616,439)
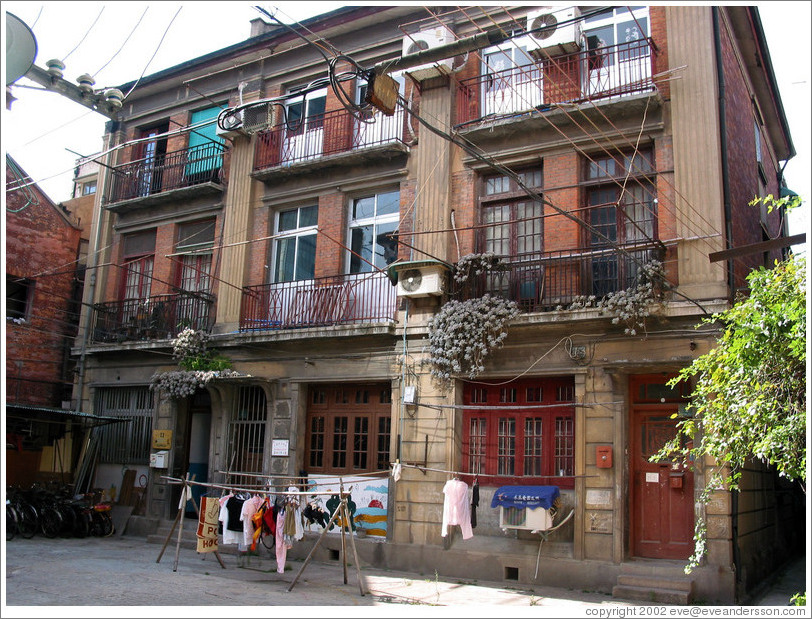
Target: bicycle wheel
(27,520)
(68,520)
(11,522)
(107,524)
(81,526)
(50,522)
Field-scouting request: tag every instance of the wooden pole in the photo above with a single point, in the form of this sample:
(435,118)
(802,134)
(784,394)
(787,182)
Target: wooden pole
(354,552)
(343,521)
(316,545)
(182,510)
(168,537)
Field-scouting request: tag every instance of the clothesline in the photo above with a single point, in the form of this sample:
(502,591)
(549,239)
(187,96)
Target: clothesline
(501,407)
(251,490)
(300,477)
(466,474)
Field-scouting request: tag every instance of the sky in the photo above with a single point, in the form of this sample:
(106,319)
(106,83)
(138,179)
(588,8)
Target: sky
(119,41)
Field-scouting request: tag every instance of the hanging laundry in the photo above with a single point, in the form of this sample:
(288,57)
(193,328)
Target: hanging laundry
(230,510)
(249,508)
(474,502)
(456,509)
(281,545)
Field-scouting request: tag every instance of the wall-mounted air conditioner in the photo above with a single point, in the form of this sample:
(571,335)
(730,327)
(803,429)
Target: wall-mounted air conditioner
(424,40)
(230,125)
(554,31)
(525,518)
(422,278)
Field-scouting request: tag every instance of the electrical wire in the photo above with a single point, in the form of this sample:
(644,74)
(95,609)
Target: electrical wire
(138,23)
(155,53)
(84,37)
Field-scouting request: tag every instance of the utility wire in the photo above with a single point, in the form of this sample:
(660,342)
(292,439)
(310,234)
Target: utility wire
(138,23)
(84,37)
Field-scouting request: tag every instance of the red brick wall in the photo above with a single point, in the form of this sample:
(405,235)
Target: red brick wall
(332,218)
(43,247)
(659,34)
(744,184)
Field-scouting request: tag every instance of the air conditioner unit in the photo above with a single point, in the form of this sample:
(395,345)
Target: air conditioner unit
(231,126)
(554,31)
(422,41)
(525,518)
(257,117)
(420,278)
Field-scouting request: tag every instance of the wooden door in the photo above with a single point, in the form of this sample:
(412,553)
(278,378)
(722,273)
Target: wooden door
(662,497)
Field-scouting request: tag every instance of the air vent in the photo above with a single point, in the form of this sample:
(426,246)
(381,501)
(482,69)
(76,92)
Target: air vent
(554,31)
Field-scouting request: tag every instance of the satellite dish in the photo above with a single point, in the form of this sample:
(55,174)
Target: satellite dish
(21,48)
(411,279)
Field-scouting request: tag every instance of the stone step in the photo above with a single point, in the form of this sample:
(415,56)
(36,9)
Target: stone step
(654,595)
(655,582)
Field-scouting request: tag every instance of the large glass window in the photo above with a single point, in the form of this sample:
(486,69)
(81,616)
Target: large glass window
(524,433)
(621,209)
(195,243)
(373,220)
(349,429)
(295,252)
(138,257)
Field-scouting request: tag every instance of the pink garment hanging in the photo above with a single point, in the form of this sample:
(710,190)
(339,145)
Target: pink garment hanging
(456,508)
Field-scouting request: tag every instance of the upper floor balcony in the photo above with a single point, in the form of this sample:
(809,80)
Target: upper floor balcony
(591,75)
(329,135)
(162,175)
(157,317)
(552,281)
(322,302)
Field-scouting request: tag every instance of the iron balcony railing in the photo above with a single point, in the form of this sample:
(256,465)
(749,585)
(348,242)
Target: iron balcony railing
(326,301)
(571,78)
(552,281)
(325,134)
(155,318)
(163,172)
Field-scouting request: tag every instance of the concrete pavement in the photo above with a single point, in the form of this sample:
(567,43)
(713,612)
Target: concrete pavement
(124,572)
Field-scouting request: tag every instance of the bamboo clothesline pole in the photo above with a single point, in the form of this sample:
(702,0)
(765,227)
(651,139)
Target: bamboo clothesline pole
(341,511)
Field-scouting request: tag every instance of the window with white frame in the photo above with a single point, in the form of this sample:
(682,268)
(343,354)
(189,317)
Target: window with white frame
(295,251)
(304,127)
(373,221)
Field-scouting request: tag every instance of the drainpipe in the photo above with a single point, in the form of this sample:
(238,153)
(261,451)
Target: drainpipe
(720,77)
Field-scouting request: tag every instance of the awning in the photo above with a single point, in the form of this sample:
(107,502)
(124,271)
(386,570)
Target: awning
(525,496)
(49,414)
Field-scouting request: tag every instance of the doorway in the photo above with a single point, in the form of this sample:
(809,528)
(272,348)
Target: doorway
(662,496)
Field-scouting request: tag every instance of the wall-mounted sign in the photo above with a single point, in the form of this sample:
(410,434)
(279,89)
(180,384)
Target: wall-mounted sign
(162,439)
(279,447)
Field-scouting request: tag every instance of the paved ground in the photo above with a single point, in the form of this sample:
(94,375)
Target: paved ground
(125,572)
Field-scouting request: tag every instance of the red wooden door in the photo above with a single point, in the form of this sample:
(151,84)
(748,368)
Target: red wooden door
(662,497)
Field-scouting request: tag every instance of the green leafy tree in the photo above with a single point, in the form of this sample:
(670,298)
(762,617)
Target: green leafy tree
(749,396)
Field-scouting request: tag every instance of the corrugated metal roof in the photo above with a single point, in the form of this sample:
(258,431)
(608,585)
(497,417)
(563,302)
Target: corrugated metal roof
(57,412)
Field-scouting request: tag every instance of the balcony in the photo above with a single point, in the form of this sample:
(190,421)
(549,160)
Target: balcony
(156,318)
(327,136)
(551,281)
(323,302)
(592,75)
(153,177)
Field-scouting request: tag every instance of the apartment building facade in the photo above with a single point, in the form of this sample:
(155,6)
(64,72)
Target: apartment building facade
(253,195)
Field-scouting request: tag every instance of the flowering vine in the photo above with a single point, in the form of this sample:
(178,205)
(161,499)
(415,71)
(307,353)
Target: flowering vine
(463,333)
(198,366)
(633,304)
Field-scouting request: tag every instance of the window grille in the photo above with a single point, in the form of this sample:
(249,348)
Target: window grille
(125,443)
(246,434)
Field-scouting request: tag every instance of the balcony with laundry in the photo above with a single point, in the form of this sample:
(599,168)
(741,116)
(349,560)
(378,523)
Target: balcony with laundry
(156,177)
(353,299)
(304,143)
(158,317)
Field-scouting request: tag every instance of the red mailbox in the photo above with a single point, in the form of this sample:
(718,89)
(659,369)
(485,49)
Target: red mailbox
(603,456)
